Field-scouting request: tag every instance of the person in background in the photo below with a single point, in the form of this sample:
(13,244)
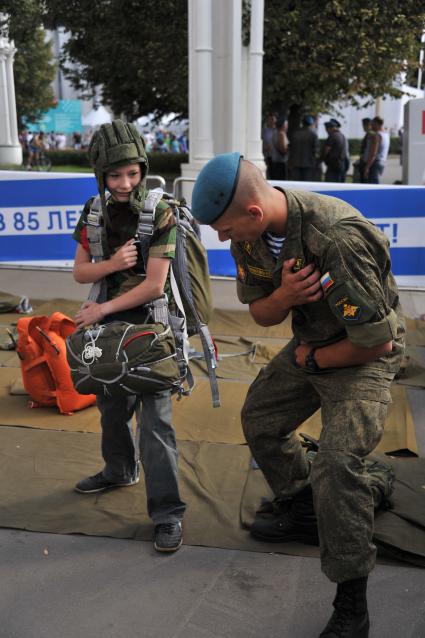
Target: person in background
(267,137)
(37,144)
(304,152)
(377,152)
(160,145)
(182,139)
(358,173)
(76,140)
(24,140)
(174,144)
(335,152)
(61,140)
(279,161)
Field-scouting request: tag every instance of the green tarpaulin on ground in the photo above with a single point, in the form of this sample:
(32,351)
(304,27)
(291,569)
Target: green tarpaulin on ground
(41,460)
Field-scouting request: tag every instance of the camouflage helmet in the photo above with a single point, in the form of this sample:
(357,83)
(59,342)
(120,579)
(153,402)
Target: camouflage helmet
(118,144)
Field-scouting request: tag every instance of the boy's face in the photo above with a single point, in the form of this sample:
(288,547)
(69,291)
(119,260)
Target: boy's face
(121,181)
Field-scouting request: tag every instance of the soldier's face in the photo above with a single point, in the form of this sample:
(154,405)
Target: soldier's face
(121,181)
(241,226)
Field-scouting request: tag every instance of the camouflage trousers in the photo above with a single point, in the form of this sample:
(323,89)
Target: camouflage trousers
(353,404)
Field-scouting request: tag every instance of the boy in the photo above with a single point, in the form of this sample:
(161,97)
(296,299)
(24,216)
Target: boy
(117,153)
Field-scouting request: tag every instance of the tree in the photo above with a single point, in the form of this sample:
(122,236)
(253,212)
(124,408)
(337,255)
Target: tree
(317,53)
(33,66)
(136,52)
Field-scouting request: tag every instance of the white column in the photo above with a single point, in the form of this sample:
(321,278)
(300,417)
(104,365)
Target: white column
(227,76)
(12,98)
(201,144)
(10,149)
(414,142)
(254,85)
(225,83)
(200,87)
(5,134)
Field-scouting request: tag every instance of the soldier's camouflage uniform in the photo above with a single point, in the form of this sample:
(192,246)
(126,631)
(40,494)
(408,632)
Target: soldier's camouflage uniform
(360,302)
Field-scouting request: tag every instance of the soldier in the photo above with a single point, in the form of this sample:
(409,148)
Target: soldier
(319,258)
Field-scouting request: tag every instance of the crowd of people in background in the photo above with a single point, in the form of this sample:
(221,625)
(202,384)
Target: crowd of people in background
(34,143)
(164,141)
(298,155)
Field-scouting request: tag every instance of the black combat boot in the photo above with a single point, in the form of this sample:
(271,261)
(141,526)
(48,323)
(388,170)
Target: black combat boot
(350,618)
(297,522)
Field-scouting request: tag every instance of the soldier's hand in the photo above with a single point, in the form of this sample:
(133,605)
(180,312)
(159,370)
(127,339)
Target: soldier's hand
(300,287)
(125,257)
(300,352)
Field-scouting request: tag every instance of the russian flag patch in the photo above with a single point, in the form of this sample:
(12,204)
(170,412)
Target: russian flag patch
(326,281)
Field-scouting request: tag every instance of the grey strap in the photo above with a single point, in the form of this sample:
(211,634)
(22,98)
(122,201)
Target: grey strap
(182,274)
(158,310)
(95,235)
(147,215)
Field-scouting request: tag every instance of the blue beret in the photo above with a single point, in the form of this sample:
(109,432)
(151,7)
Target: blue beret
(215,187)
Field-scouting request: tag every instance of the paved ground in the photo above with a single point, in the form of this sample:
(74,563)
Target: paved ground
(109,588)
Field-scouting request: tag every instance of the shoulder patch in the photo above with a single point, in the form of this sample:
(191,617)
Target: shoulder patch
(347,309)
(349,303)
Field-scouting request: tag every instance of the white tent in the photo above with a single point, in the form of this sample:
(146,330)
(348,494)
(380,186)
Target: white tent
(96,117)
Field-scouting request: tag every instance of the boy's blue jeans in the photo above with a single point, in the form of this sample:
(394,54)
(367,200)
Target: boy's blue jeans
(156,447)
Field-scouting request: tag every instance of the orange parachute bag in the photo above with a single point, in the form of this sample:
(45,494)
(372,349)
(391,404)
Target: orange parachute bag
(45,371)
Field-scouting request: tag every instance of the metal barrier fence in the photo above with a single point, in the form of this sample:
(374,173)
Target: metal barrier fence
(178,183)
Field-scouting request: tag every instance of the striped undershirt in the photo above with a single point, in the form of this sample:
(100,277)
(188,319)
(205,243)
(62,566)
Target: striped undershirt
(274,243)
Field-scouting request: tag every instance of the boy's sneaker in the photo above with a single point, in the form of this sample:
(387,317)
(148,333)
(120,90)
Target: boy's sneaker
(98,483)
(168,537)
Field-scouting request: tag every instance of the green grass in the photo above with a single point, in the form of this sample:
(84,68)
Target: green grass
(70,168)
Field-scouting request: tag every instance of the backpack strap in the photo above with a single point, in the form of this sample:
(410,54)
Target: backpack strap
(181,271)
(180,283)
(95,231)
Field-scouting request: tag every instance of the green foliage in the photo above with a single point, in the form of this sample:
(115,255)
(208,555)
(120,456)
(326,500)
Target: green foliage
(33,66)
(136,51)
(163,164)
(166,163)
(317,53)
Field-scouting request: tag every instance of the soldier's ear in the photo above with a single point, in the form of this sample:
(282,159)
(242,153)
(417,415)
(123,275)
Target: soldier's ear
(256,212)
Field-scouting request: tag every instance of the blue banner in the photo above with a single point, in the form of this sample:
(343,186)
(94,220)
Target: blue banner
(38,214)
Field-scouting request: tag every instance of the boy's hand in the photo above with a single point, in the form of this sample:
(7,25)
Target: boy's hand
(89,313)
(125,257)
(300,287)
